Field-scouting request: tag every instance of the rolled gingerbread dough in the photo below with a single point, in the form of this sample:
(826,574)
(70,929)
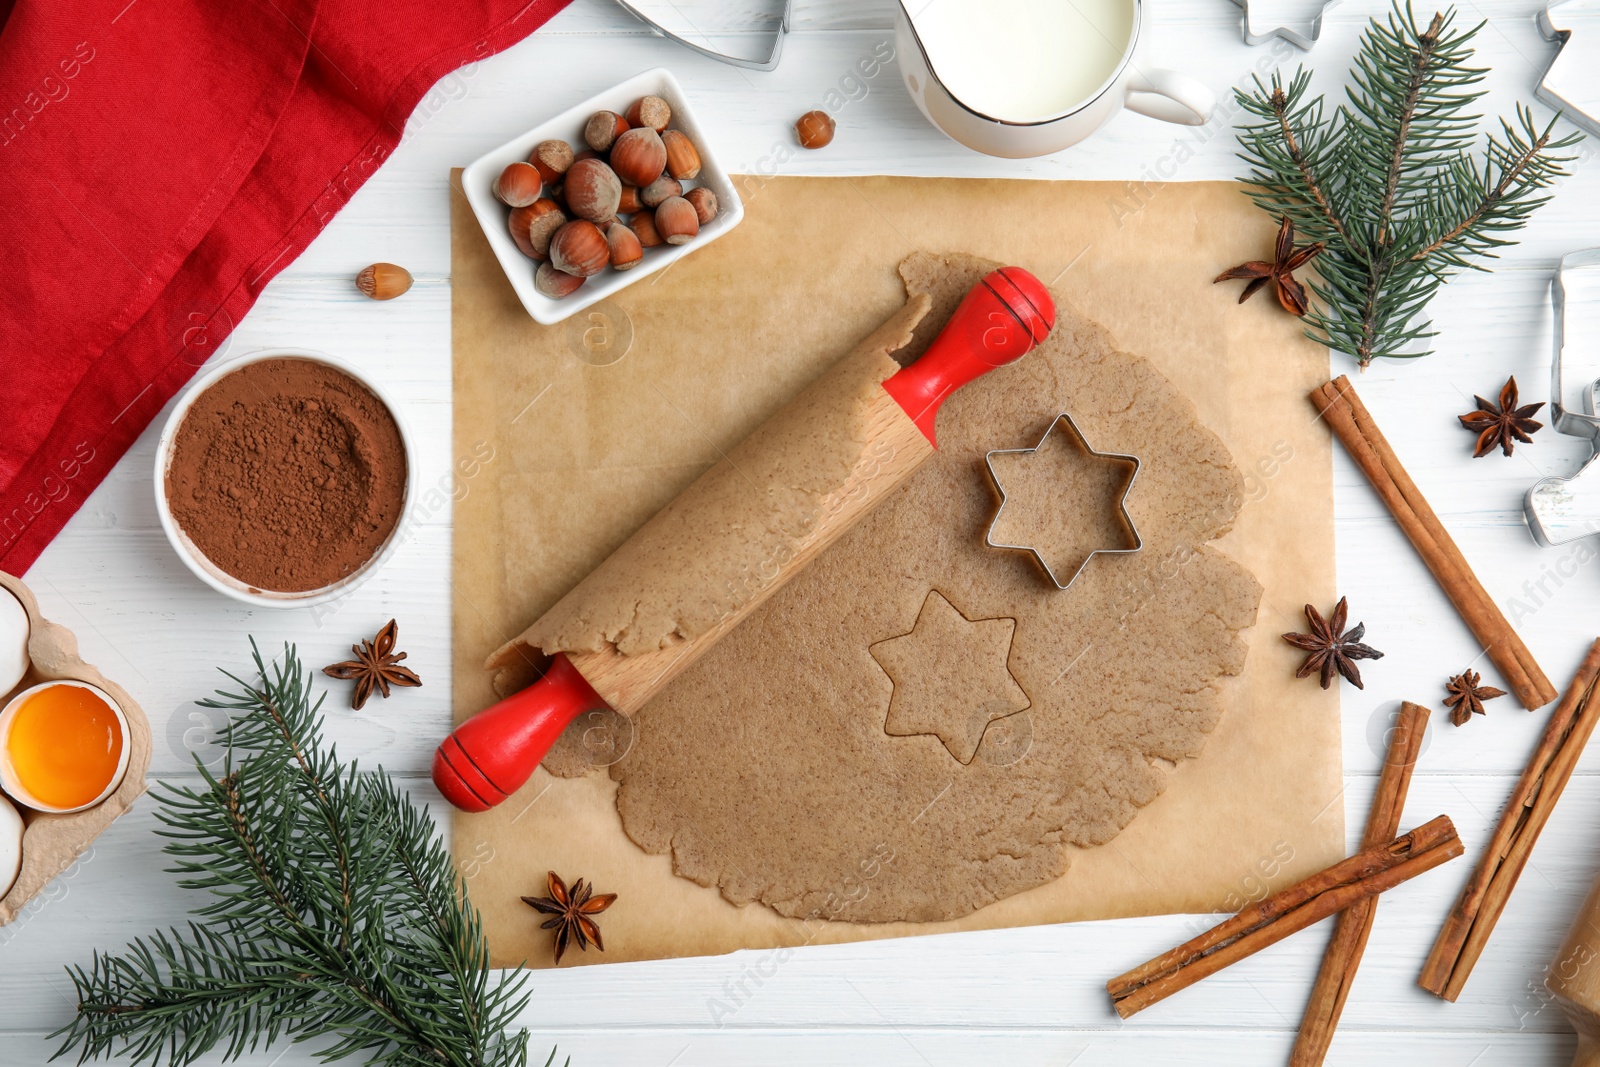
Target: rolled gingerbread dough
(777,765)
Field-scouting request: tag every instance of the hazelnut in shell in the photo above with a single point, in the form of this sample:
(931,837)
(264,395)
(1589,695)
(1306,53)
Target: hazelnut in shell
(547,218)
(592,190)
(602,128)
(638,156)
(630,200)
(551,159)
(555,283)
(580,249)
(518,185)
(658,190)
(643,226)
(626,251)
(532,226)
(704,201)
(683,159)
(651,111)
(677,221)
(814,129)
(383,281)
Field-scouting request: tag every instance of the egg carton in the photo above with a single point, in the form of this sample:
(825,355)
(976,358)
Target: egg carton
(50,843)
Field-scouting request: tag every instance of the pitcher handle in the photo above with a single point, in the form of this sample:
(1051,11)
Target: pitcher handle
(1169,96)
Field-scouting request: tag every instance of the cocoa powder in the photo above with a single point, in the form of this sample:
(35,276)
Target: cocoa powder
(287,474)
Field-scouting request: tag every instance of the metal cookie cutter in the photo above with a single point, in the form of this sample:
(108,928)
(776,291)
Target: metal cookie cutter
(1571,84)
(1122,501)
(682,35)
(1297,21)
(1564,509)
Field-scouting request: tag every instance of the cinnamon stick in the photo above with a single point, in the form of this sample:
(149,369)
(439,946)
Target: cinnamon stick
(1472,920)
(1288,911)
(1352,424)
(1344,951)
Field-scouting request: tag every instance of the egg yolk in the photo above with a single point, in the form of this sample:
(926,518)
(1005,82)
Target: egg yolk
(65,744)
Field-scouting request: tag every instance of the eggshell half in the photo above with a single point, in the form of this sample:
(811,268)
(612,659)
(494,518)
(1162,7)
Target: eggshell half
(13,642)
(10,845)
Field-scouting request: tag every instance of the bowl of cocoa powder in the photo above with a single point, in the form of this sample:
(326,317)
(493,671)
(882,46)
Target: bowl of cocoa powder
(283,477)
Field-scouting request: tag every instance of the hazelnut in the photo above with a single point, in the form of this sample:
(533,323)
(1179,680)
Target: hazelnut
(383,281)
(551,159)
(677,221)
(518,185)
(580,248)
(704,201)
(602,128)
(555,283)
(658,190)
(814,129)
(643,226)
(638,156)
(651,111)
(592,190)
(548,218)
(630,200)
(532,226)
(625,247)
(683,160)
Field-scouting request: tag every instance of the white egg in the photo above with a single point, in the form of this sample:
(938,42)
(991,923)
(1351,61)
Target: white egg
(13,642)
(10,845)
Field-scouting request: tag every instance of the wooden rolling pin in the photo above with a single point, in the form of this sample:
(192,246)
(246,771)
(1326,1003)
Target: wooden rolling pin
(492,754)
(1574,979)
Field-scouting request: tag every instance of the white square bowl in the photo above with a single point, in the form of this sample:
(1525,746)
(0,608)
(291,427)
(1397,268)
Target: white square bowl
(479,177)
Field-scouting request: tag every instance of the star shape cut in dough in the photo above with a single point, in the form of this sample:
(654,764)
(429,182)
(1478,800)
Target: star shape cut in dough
(1063,502)
(950,677)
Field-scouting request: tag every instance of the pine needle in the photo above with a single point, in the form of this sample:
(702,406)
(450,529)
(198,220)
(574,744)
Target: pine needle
(333,911)
(1392,183)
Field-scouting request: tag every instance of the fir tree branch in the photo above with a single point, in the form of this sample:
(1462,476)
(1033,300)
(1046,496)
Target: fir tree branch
(1523,170)
(1421,61)
(1389,184)
(334,910)
(1280,110)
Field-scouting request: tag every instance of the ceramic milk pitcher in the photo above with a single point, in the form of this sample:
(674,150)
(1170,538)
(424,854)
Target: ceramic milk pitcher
(1021,78)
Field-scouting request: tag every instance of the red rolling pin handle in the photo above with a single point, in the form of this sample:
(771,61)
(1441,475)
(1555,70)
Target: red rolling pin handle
(998,321)
(493,753)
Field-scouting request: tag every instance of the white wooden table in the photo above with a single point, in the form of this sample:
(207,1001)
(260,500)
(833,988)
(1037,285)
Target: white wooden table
(1031,996)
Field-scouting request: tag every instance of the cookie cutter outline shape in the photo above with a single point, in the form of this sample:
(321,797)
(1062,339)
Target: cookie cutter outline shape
(1563,509)
(770,63)
(1122,501)
(1279,17)
(1575,87)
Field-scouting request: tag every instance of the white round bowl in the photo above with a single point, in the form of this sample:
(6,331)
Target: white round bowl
(8,773)
(215,576)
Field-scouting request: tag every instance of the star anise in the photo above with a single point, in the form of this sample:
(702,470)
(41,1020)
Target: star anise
(1280,273)
(570,913)
(1504,425)
(1466,696)
(376,666)
(1331,648)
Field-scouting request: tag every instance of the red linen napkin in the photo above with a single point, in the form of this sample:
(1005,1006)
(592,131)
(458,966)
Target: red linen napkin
(160,162)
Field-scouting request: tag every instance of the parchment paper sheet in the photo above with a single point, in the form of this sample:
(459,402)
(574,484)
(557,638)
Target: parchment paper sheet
(569,437)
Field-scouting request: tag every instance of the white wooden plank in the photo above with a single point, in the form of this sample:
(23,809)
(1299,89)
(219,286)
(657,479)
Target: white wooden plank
(1029,996)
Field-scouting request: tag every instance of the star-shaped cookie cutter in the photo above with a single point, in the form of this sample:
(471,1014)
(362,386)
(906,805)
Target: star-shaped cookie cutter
(1297,21)
(769,62)
(1122,501)
(1571,83)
